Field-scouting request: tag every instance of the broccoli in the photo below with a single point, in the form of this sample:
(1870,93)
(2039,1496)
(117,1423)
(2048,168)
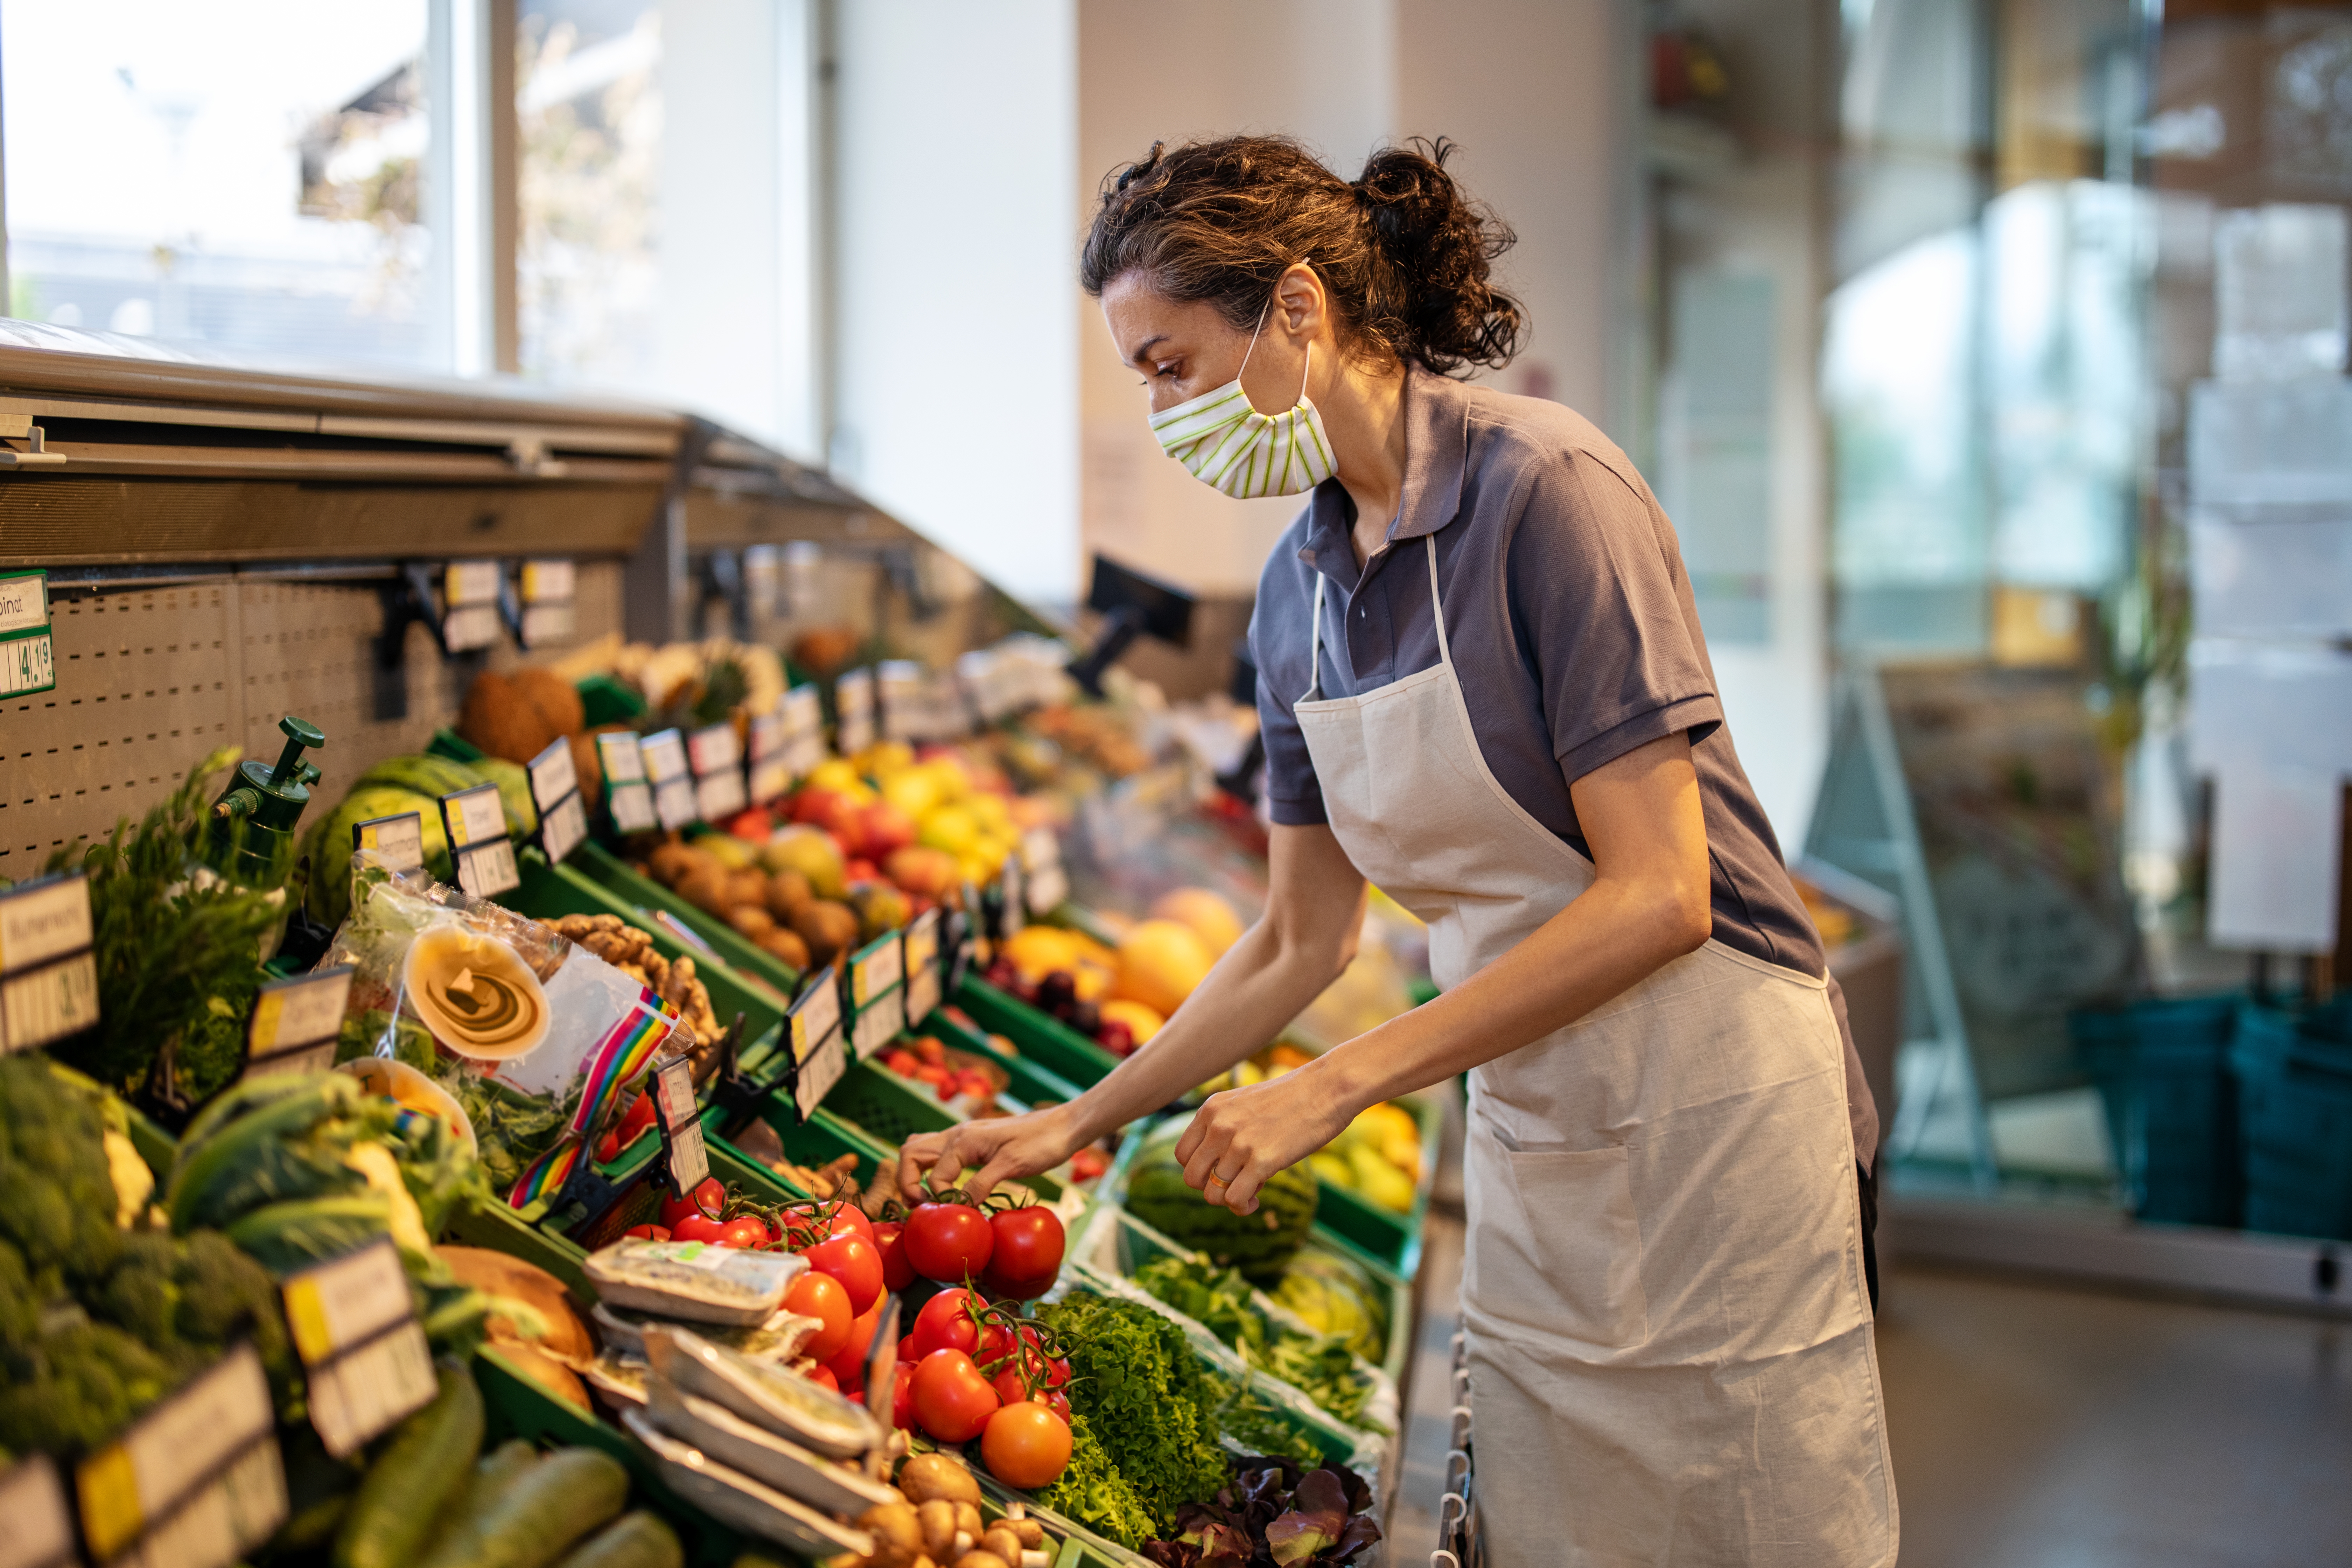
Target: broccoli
(57,1191)
(20,1302)
(89,1381)
(224,1294)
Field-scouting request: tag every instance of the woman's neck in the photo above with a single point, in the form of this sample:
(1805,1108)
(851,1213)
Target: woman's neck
(1363,413)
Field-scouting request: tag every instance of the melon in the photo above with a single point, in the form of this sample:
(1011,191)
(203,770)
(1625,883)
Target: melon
(1160,962)
(1209,917)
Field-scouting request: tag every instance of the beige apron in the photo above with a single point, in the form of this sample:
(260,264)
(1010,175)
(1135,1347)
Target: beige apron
(1670,1342)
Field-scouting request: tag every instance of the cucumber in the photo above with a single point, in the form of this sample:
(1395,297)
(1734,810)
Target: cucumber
(494,1476)
(404,1490)
(636,1539)
(566,1495)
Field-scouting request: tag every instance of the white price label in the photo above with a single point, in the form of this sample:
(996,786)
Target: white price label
(354,1325)
(816,1015)
(687,1157)
(819,1072)
(44,919)
(470,582)
(546,579)
(922,966)
(474,816)
(713,748)
(39,1531)
(1046,882)
(399,840)
(41,1005)
(342,1304)
(720,795)
(471,626)
(563,827)
(548,625)
(665,754)
(674,803)
(365,1394)
(623,759)
(489,869)
(803,713)
(1014,913)
(552,775)
(146,1483)
(879,1024)
(674,1093)
(24,603)
(632,806)
(295,1022)
(768,737)
(769,780)
(27,664)
(875,971)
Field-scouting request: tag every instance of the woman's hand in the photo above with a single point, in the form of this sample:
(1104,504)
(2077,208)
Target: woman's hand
(1244,1136)
(1001,1149)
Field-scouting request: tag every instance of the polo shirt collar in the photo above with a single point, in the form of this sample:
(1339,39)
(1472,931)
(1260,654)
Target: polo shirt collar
(1436,446)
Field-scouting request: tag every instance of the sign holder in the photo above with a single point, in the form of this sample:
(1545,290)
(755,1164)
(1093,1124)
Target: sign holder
(398,840)
(770,773)
(923,965)
(476,819)
(853,705)
(470,595)
(555,791)
(295,1022)
(686,1158)
(48,969)
(629,799)
(28,658)
(672,777)
(197,1481)
(820,1056)
(544,616)
(716,756)
(354,1326)
(40,1522)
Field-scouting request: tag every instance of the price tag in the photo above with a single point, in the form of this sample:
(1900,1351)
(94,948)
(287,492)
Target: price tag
(39,1524)
(956,941)
(1013,913)
(802,714)
(354,1326)
(49,975)
(875,970)
(879,1024)
(295,1022)
(769,780)
(922,966)
(768,736)
(469,627)
(546,581)
(771,773)
(1041,866)
(853,701)
(718,796)
(469,583)
(197,1482)
(713,749)
(399,840)
(818,1074)
(477,823)
(29,659)
(555,790)
(548,625)
(686,1159)
(626,799)
(665,754)
(676,804)
(815,1016)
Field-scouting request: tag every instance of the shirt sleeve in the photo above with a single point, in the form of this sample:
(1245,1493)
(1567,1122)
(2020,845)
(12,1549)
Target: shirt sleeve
(1293,796)
(1602,612)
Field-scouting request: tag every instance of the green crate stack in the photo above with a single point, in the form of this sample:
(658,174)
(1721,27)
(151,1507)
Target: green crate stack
(1030,1084)
(1046,1040)
(746,957)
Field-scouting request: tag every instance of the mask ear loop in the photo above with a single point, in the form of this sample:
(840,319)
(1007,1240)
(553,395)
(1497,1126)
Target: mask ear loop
(1263,310)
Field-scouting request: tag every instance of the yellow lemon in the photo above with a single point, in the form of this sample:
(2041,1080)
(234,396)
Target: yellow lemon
(1211,919)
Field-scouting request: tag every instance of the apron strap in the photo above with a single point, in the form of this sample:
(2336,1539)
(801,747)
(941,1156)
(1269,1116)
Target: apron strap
(1436,604)
(1314,681)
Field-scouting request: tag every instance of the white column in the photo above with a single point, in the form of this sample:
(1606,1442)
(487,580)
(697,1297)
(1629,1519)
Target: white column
(457,187)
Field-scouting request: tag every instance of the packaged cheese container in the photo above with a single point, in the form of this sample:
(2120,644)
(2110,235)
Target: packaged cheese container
(694,1280)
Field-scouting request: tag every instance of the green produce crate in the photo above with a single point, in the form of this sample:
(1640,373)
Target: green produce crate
(1080,1547)
(496,1227)
(1031,1084)
(447,742)
(549,892)
(739,953)
(515,1407)
(888,1109)
(1393,1238)
(1046,1040)
(821,1139)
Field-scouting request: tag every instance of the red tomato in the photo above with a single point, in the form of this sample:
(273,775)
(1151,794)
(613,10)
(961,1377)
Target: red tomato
(901,1060)
(995,1345)
(1059,1403)
(642,1232)
(699,1227)
(822,1377)
(948,1241)
(952,1401)
(820,1296)
(896,1272)
(852,1260)
(945,1323)
(1026,1446)
(608,1147)
(1025,1248)
(750,1232)
(1044,1376)
(849,1365)
(709,1198)
(1088,1164)
(975,1084)
(637,1120)
(907,1356)
(902,1396)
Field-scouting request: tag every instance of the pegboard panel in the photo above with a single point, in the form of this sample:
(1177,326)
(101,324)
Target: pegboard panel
(152,678)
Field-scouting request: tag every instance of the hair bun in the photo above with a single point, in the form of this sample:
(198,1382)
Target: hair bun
(1442,246)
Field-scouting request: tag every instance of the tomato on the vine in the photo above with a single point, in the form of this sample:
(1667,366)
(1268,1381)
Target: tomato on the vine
(749,1232)
(896,1272)
(946,1323)
(706,1200)
(948,1241)
(1024,1252)
(848,1363)
(952,1402)
(820,1296)
(692,1226)
(822,1377)
(1026,1445)
(851,1260)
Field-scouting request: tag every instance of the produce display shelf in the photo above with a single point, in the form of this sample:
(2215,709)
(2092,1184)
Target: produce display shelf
(1051,1043)
(1394,1238)
(609,871)
(1031,1084)
(886,1109)
(515,1406)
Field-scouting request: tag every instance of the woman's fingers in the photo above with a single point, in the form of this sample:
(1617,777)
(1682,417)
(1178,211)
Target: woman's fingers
(1240,1196)
(917,1155)
(1207,1149)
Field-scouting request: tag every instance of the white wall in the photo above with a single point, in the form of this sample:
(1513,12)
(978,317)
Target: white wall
(957,398)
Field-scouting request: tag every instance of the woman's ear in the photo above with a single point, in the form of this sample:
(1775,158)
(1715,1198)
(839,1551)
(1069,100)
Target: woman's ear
(1299,300)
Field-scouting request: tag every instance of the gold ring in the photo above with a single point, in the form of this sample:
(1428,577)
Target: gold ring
(1218,1180)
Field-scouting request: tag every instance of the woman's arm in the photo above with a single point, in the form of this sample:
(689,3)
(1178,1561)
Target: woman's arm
(1315,908)
(1648,904)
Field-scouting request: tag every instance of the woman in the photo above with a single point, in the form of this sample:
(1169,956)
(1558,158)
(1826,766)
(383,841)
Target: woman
(1484,686)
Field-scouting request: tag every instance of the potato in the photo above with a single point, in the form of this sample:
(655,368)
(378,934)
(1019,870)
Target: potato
(705,886)
(748,887)
(786,945)
(938,1475)
(787,892)
(752,921)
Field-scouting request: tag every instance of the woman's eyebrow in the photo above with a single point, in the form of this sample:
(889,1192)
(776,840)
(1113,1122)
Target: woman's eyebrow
(1143,350)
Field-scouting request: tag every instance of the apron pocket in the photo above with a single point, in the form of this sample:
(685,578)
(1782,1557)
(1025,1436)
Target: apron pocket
(1569,1262)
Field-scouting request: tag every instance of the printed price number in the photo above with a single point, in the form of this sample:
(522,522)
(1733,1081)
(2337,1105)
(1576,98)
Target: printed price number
(543,582)
(686,1158)
(295,1021)
(476,819)
(815,1015)
(398,841)
(354,1326)
(875,971)
(28,658)
(197,1481)
(818,1073)
(49,975)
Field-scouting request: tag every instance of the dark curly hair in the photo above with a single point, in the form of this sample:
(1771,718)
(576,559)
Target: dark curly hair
(1404,254)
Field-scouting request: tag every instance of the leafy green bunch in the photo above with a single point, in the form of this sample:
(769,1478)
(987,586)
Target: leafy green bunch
(1147,1397)
(1321,1366)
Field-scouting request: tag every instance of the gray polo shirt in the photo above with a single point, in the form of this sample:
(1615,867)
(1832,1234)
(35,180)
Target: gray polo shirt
(1574,632)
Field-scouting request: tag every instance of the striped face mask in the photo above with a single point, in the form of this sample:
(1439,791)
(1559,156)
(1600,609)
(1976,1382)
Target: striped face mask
(1231,447)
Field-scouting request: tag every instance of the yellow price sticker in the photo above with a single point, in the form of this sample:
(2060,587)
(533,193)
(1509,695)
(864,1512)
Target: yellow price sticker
(112,1517)
(306,1314)
(267,1011)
